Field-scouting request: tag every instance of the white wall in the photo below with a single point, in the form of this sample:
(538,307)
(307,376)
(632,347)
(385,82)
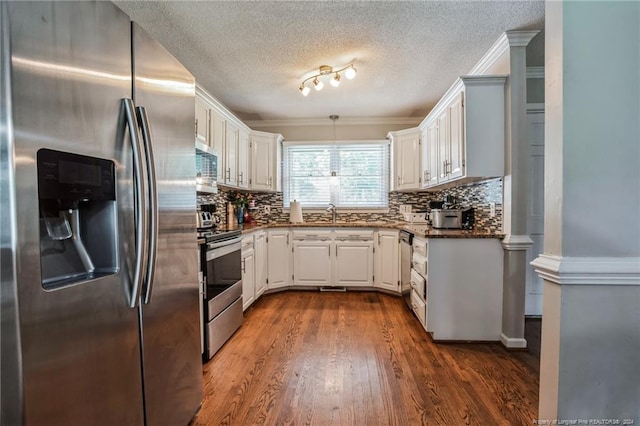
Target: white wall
(590,357)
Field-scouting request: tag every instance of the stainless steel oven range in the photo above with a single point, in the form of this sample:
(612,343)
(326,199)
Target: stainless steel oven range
(221,267)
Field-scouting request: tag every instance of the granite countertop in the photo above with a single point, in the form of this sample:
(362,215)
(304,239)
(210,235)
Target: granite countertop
(420,230)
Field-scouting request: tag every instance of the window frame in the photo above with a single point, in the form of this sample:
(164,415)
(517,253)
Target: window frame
(331,143)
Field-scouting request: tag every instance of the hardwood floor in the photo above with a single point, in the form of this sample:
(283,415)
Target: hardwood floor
(359,358)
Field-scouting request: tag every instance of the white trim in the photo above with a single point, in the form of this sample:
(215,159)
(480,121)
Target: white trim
(521,38)
(336,142)
(484,80)
(347,121)
(588,270)
(202,93)
(535,107)
(535,72)
(491,56)
(512,342)
(505,41)
(517,242)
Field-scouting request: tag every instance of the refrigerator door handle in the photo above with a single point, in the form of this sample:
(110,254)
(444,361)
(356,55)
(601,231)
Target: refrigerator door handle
(143,120)
(139,202)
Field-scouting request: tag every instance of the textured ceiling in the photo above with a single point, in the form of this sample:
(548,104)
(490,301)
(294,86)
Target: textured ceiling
(253,55)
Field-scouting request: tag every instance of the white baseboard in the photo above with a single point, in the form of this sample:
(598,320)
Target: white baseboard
(513,343)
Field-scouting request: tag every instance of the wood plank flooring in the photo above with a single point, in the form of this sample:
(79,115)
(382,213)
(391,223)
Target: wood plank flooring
(359,358)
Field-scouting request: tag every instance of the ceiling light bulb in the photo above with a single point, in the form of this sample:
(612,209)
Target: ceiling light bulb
(305,90)
(318,84)
(350,72)
(335,81)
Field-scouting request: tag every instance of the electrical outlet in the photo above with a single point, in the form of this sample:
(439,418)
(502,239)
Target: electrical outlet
(405,208)
(267,209)
(492,209)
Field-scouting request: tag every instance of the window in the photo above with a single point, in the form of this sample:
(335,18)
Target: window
(361,177)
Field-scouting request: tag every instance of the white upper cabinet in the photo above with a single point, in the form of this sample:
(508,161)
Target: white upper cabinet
(243,159)
(202,122)
(265,157)
(430,155)
(464,134)
(217,140)
(406,147)
(231,155)
(246,159)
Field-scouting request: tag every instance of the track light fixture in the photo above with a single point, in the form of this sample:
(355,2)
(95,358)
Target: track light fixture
(349,72)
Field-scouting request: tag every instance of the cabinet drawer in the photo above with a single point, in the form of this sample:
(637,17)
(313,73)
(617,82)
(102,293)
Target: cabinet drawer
(420,247)
(419,308)
(247,242)
(418,284)
(353,235)
(419,263)
(312,235)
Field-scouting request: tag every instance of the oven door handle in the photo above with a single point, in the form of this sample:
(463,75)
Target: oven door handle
(219,244)
(213,253)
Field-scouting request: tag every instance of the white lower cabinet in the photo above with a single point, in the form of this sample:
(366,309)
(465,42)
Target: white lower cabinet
(311,261)
(464,289)
(326,258)
(248,272)
(279,258)
(387,259)
(260,249)
(353,262)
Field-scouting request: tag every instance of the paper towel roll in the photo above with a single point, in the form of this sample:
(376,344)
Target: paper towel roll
(295,212)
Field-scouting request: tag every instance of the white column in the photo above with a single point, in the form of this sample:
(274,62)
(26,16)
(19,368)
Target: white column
(516,187)
(590,358)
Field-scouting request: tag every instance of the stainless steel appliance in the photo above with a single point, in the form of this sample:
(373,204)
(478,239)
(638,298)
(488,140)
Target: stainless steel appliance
(446,218)
(406,241)
(222,270)
(99,261)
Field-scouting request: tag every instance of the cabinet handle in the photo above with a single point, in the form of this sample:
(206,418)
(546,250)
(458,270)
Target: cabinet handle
(243,266)
(196,127)
(229,174)
(378,239)
(287,239)
(336,250)
(240,177)
(269,181)
(329,247)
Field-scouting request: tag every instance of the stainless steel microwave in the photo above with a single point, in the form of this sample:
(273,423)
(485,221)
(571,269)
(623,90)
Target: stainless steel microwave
(206,168)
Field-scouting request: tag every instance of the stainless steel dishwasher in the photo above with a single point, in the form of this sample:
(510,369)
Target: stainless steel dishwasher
(406,241)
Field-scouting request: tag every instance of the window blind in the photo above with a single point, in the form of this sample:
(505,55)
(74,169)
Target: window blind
(361,174)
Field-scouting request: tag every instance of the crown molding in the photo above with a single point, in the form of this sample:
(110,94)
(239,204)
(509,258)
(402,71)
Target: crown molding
(588,270)
(348,121)
(484,80)
(220,107)
(505,41)
(535,72)
(491,56)
(520,38)
(517,242)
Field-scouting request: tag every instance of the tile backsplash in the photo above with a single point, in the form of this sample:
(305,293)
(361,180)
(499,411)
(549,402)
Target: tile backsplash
(478,195)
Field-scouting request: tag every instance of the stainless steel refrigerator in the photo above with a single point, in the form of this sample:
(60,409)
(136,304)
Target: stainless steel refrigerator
(99,291)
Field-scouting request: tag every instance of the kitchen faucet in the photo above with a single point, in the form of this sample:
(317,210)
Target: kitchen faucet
(332,209)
